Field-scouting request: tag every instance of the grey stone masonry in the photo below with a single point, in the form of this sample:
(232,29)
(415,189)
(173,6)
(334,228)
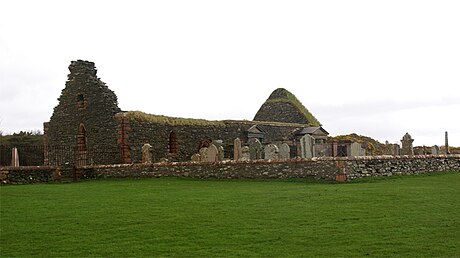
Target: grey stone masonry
(406,142)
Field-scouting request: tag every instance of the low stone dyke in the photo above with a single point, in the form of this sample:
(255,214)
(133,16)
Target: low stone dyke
(29,174)
(329,168)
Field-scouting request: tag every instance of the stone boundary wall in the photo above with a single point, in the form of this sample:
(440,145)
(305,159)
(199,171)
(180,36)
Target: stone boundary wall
(29,174)
(330,168)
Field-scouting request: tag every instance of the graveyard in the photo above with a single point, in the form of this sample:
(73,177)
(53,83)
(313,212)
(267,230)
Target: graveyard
(109,183)
(89,137)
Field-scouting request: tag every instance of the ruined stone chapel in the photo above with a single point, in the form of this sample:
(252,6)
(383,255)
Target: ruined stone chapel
(87,127)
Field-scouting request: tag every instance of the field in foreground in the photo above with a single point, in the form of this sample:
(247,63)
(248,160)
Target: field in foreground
(404,216)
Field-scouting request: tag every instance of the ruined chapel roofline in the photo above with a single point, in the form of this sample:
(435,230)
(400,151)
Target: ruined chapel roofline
(160,119)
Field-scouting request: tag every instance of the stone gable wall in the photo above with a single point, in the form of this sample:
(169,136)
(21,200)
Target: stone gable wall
(87,101)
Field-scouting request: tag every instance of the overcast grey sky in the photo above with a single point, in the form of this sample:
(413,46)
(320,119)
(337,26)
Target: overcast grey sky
(376,68)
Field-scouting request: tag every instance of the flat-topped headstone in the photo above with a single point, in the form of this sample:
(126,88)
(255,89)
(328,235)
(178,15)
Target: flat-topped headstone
(271,152)
(356,150)
(284,151)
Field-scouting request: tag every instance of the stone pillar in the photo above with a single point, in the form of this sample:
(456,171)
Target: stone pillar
(406,142)
(447,143)
(237,149)
(14,157)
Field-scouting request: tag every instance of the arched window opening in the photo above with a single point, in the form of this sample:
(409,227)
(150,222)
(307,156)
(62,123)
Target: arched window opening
(173,148)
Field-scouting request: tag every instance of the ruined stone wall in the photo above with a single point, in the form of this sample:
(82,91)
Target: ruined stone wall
(84,118)
(28,175)
(190,135)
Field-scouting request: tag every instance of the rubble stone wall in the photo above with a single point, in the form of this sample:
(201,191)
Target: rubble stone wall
(319,168)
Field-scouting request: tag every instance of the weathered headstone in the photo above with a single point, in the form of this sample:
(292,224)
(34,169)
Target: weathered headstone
(245,155)
(203,154)
(271,152)
(255,149)
(220,149)
(237,149)
(196,157)
(146,153)
(285,151)
(306,146)
(435,150)
(406,142)
(220,154)
(14,157)
(212,153)
(356,150)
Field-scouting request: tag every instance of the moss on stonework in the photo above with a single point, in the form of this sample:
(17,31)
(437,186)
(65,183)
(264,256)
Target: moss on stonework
(144,117)
(282,95)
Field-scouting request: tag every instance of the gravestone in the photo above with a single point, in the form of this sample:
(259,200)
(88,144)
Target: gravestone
(446,139)
(220,149)
(146,153)
(306,146)
(435,150)
(203,154)
(255,149)
(245,155)
(356,150)
(220,155)
(271,152)
(196,157)
(285,151)
(237,149)
(14,157)
(212,153)
(406,142)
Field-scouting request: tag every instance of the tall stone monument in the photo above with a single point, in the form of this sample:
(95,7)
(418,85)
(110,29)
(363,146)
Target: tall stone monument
(237,149)
(447,143)
(406,142)
(306,146)
(14,157)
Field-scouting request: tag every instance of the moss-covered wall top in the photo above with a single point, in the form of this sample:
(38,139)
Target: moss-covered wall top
(86,108)
(156,130)
(283,106)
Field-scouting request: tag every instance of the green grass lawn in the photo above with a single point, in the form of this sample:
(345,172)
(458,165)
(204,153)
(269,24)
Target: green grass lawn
(402,216)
